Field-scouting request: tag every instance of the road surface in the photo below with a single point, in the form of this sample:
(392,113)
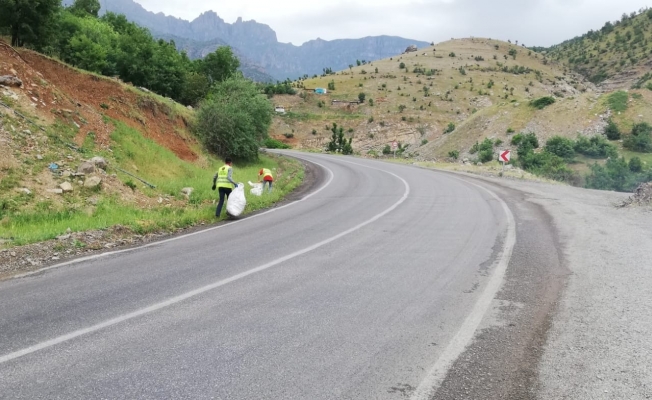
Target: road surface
(372,286)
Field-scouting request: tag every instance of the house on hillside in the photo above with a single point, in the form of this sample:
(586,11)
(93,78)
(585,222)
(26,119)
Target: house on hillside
(279,109)
(321,91)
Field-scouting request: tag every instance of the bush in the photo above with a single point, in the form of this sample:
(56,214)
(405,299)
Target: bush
(595,147)
(275,144)
(529,139)
(454,154)
(234,120)
(401,65)
(424,142)
(635,164)
(370,120)
(561,147)
(288,135)
(611,130)
(486,155)
(640,139)
(361,97)
(450,128)
(371,102)
(616,175)
(387,150)
(542,102)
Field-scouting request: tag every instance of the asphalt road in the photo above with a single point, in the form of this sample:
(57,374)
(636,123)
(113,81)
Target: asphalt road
(370,287)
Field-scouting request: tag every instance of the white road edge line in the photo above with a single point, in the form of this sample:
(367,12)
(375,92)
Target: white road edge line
(465,334)
(177,299)
(110,253)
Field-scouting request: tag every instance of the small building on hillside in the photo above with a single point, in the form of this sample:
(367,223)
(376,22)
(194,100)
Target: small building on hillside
(321,91)
(279,109)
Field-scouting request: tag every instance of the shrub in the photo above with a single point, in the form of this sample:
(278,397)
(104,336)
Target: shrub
(611,130)
(635,164)
(454,154)
(542,102)
(510,130)
(616,175)
(331,85)
(561,147)
(387,150)
(275,144)
(595,147)
(451,54)
(424,142)
(450,128)
(314,131)
(401,65)
(371,102)
(485,156)
(498,142)
(361,97)
(529,138)
(288,135)
(370,120)
(640,139)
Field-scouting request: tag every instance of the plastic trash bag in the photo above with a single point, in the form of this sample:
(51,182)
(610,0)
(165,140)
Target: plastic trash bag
(237,202)
(256,188)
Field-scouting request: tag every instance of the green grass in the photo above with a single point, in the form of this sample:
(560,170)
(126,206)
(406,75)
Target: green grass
(155,164)
(617,101)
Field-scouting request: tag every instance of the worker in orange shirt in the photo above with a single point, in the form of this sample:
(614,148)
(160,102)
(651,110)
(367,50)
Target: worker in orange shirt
(265,175)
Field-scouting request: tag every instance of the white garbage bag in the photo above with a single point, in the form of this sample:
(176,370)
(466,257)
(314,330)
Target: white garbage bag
(237,202)
(256,188)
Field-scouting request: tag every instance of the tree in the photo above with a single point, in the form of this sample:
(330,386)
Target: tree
(29,22)
(362,97)
(220,64)
(611,130)
(86,7)
(640,139)
(234,119)
(561,146)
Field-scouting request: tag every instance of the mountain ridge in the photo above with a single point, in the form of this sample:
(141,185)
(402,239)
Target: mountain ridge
(258,43)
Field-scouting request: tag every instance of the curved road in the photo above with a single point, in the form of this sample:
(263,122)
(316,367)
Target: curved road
(370,287)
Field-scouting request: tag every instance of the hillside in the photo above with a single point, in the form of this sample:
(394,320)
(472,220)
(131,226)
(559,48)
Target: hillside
(257,43)
(84,152)
(616,56)
(451,96)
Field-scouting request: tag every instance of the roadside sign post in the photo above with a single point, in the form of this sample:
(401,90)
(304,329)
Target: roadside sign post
(394,147)
(505,155)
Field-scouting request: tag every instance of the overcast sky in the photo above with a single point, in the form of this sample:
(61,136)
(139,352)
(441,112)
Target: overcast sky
(532,22)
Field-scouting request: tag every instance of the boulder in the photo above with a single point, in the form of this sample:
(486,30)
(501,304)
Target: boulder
(66,187)
(10,80)
(55,191)
(92,182)
(99,162)
(411,48)
(86,168)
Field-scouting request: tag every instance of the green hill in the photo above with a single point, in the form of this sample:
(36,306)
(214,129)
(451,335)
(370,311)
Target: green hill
(616,56)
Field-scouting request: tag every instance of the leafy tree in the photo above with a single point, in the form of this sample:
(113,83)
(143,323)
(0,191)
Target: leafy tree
(195,88)
(220,64)
(387,150)
(640,139)
(331,85)
(635,164)
(561,146)
(361,97)
(595,147)
(29,22)
(611,130)
(234,119)
(86,7)
(401,65)
(513,52)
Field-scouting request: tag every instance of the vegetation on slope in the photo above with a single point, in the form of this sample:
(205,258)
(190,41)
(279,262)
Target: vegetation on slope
(617,47)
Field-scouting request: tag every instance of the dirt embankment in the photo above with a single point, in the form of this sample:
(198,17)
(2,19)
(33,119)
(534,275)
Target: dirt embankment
(54,91)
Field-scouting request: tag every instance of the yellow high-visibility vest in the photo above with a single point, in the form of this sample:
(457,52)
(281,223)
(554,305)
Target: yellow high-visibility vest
(267,173)
(222,175)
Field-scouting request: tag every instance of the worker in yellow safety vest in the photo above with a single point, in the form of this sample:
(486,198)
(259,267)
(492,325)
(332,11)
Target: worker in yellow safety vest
(223,180)
(266,176)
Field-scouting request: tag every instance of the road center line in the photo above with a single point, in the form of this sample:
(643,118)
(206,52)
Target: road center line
(465,334)
(204,289)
